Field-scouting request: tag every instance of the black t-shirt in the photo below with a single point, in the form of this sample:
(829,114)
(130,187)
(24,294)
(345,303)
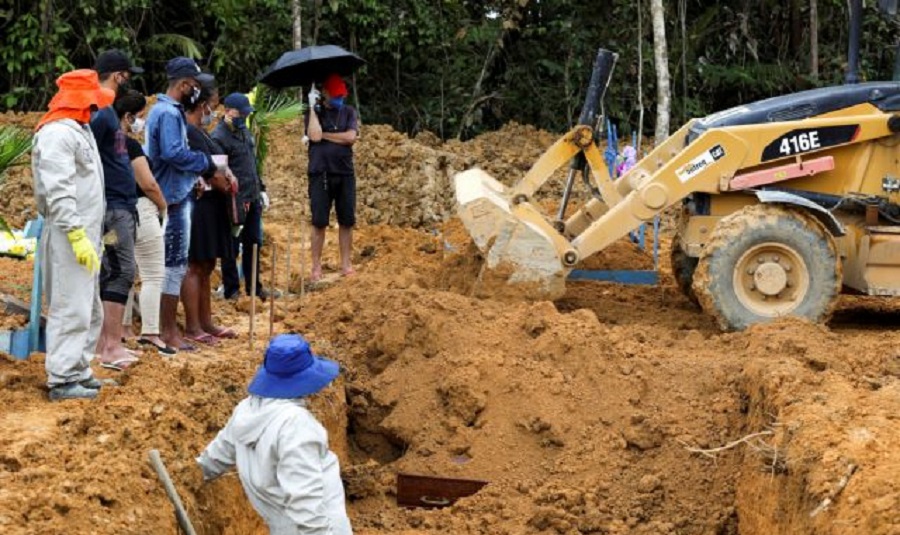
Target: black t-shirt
(238,145)
(118,177)
(328,157)
(135,151)
(201,141)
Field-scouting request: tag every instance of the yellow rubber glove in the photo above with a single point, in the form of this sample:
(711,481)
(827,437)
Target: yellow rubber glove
(84,250)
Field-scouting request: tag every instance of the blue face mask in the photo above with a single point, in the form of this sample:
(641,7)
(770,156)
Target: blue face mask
(336,102)
(239,122)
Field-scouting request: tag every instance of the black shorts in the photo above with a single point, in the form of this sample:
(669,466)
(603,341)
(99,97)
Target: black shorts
(327,189)
(117,268)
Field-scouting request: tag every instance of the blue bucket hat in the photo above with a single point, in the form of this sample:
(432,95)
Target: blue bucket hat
(290,370)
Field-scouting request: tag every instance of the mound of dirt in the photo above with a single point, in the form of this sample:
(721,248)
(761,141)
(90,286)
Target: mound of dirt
(400,181)
(82,466)
(403,181)
(616,409)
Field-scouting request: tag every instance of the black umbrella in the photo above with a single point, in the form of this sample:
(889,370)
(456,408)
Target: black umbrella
(310,64)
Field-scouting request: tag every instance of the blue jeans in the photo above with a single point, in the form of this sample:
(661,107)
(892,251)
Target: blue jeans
(177,239)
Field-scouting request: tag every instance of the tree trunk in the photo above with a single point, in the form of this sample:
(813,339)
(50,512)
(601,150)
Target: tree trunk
(640,77)
(814,39)
(46,23)
(297,19)
(317,20)
(682,16)
(661,59)
(796,27)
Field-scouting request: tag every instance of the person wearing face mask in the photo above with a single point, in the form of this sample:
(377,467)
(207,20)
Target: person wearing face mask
(115,69)
(176,168)
(151,210)
(290,475)
(210,230)
(68,193)
(332,128)
(237,142)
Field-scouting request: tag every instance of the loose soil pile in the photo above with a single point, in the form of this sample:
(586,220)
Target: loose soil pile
(586,415)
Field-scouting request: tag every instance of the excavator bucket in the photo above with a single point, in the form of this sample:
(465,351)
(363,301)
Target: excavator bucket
(514,248)
(520,245)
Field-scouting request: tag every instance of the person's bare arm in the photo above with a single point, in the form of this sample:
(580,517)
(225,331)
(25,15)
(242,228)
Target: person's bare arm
(314,128)
(147,182)
(341,138)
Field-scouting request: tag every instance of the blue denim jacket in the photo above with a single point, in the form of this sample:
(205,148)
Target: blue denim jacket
(175,166)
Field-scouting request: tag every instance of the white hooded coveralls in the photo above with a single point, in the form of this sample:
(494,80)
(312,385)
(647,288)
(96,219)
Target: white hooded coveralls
(68,190)
(290,476)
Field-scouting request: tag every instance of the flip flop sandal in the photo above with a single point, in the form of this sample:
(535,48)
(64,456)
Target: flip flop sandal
(204,338)
(224,333)
(188,348)
(166,350)
(119,365)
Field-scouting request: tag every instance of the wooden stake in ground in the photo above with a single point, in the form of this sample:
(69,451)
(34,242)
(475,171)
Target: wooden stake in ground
(253,278)
(181,515)
(302,254)
(272,294)
(290,244)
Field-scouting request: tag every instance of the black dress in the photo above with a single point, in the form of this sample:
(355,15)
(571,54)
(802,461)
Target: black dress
(210,227)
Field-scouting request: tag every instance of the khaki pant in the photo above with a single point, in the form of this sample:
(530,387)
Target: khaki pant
(149,253)
(75,314)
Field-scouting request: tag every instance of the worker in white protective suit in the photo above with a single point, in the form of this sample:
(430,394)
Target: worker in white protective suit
(68,191)
(281,451)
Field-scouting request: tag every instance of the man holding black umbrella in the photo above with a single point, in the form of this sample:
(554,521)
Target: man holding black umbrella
(332,127)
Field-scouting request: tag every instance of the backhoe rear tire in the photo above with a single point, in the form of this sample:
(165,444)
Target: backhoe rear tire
(768,261)
(683,268)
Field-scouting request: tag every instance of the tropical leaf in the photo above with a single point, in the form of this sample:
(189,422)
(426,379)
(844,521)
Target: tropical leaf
(5,229)
(272,107)
(175,43)
(15,142)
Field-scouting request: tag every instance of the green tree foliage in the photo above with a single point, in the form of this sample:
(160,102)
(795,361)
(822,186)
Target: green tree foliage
(456,67)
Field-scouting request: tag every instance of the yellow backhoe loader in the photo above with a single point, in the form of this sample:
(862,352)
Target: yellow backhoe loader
(783,204)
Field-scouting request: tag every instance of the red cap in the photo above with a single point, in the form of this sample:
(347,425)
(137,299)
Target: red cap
(334,85)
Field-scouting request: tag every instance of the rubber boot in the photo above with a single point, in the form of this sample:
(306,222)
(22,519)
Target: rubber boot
(71,391)
(91,382)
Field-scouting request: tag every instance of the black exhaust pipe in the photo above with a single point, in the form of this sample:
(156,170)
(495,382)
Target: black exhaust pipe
(590,112)
(600,77)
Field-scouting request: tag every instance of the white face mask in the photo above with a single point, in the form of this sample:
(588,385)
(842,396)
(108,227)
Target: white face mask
(206,119)
(137,126)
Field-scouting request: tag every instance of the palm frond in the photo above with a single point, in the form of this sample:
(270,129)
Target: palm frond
(15,142)
(4,227)
(272,107)
(181,45)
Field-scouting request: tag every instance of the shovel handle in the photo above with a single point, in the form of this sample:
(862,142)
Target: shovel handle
(181,515)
